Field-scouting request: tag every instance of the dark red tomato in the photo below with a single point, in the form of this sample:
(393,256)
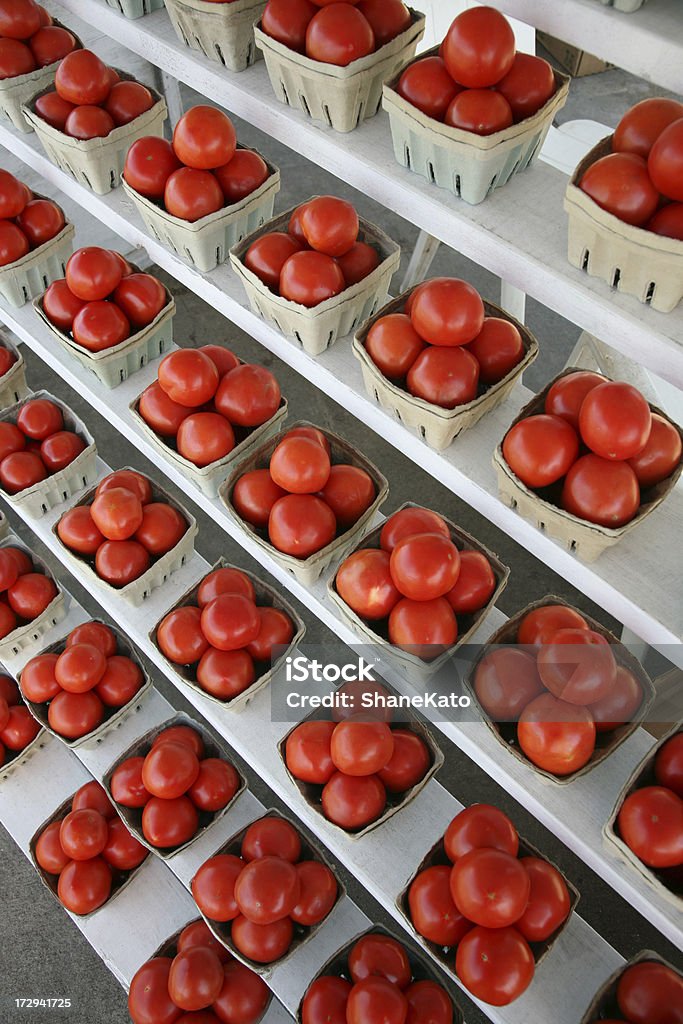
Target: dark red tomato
(376,1000)
(432,910)
(578,666)
(287,21)
(149,164)
(601,491)
(93,796)
(300,465)
(83,834)
(267,255)
(141,297)
(78,532)
(205,437)
(13,243)
(482,111)
(148,998)
(651,993)
(615,420)
(295,228)
(330,225)
(480,826)
(11,440)
(475,584)
(80,667)
(128,100)
(498,348)
(349,492)
(40,220)
(188,377)
(248,395)
(122,851)
(307,752)
(620,705)
(423,628)
(380,956)
(301,524)
(620,184)
(427,85)
(565,397)
(358,262)
(204,138)
(225,580)
(267,890)
(225,674)
(275,630)
(169,769)
(490,887)
(9,568)
(38,682)
(271,837)
(446,377)
(505,681)
(161,528)
(393,344)
(117,513)
(180,636)
(528,85)
(428,1003)
(365,583)
(126,783)
(668,221)
(387,18)
(7,359)
(541,449)
(14,195)
(447,312)
(310,278)
(93,273)
(130,480)
(325,1001)
(50,44)
(88,122)
(61,305)
(538,627)
(9,691)
(224,359)
(121,681)
(167,823)
(339,35)
(215,785)
(557,736)
(549,903)
(243,997)
(82,78)
(196,978)
(191,194)
(21,728)
(49,852)
(479,48)
(95,633)
(254,495)
(361,747)
(661,454)
(669,764)
(230,622)
(198,933)
(31,594)
(641,126)
(352,802)
(317,893)
(19,19)
(495,964)
(242,175)
(119,562)
(15,59)
(39,418)
(60,449)
(75,714)
(263,943)
(651,823)
(424,566)
(99,326)
(159,411)
(53,109)
(84,885)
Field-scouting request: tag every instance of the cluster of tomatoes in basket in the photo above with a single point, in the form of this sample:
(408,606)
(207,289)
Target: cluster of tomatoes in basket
(415,584)
(564,689)
(205,401)
(596,450)
(481,898)
(36,445)
(377,983)
(175,786)
(122,530)
(641,180)
(358,761)
(89,850)
(29,40)
(200,982)
(84,682)
(332,32)
(301,499)
(226,637)
(318,257)
(26,223)
(650,820)
(442,347)
(90,99)
(200,172)
(102,300)
(269,894)
(646,991)
(478,81)
(25,591)
(18,726)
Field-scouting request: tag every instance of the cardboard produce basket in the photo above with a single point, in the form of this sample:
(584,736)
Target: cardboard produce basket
(339,97)
(159,571)
(604,1004)
(662,881)
(206,242)
(410,665)
(266,596)
(132,816)
(112,716)
(38,499)
(606,742)
(23,638)
(223,32)
(630,259)
(97,163)
(15,92)
(13,386)
(13,758)
(307,570)
(133,9)
(584,539)
(318,327)
(29,276)
(437,426)
(310,850)
(469,165)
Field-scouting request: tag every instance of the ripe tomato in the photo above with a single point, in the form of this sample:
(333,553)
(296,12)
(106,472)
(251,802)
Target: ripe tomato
(128,100)
(565,397)
(308,752)
(358,262)
(148,998)
(80,667)
(549,903)
(352,802)
(423,628)
(339,36)
(601,491)
(7,359)
(263,943)
(267,890)
(15,59)
(409,521)
(78,532)
(615,420)
(215,785)
(330,225)
(83,834)
(180,636)
(641,126)
(474,586)
(75,714)
(479,48)
(82,78)
(665,162)
(287,21)
(661,454)
(121,681)
(204,138)
(14,195)
(13,243)
(84,885)
(267,255)
(254,495)
(188,377)
(311,432)
(668,221)
(19,19)
(497,348)
(21,728)
(528,85)
(117,513)
(40,220)
(669,764)
(301,524)
(181,734)
(100,325)
(540,449)
(447,312)
(650,993)
(620,705)
(351,699)
(275,630)
(225,580)
(620,184)
(169,770)
(122,851)
(92,795)
(446,377)
(539,626)
(300,465)
(119,562)
(126,783)
(61,305)
(160,412)
(578,666)
(482,111)
(424,566)
(361,747)
(317,893)
(242,175)
(387,18)
(495,964)
(479,826)
(9,567)
(141,298)
(271,837)
(129,479)
(205,437)
(376,955)
(31,594)
(191,194)
(195,978)
(557,736)
(60,449)
(38,682)
(149,164)
(505,681)
(198,933)
(376,1000)
(427,85)
(429,1003)
(248,395)
(225,674)
(230,622)
(93,273)
(53,109)
(325,1001)
(168,823)
(49,852)
(88,122)
(9,691)
(432,910)
(365,583)
(393,344)
(408,764)
(243,997)
(161,528)
(651,823)
(310,278)
(490,887)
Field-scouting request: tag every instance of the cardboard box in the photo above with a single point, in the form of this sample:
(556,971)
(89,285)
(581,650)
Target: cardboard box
(573,60)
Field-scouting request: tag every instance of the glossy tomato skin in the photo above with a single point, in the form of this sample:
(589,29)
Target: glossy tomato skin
(161,528)
(425,566)
(82,78)
(180,636)
(122,851)
(480,826)
(188,377)
(149,1001)
(549,902)
(620,705)
(353,802)
(49,852)
(651,993)
(119,562)
(447,311)
(117,513)
(479,48)
(505,681)
(128,100)
(198,933)
(149,164)
(59,450)
(213,887)
(377,955)
(243,997)
(540,449)
(19,19)
(93,273)
(409,521)
(668,221)
(556,736)
(88,123)
(77,530)
(215,785)
(490,887)
(122,679)
(287,21)
(20,730)
(191,194)
(360,747)
(31,594)
(195,978)
(566,395)
(169,770)
(15,59)
(408,764)
(427,84)
(84,885)
(387,18)
(126,783)
(248,395)
(495,964)
(61,305)
(13,243)
(130,480)
(310,278)
(301,524)
(159,411)
(578,666)
(661,454)
(538,626)
(325,1001)
(393,344)
(230,622)
(642,124)
(263,943)
(330,225)
(99,326)
(428,1002)
(267,255)
(475,584)
(601,491)
(358,262)
(53,109)
(317,893)
(204,438)
(204,138)
(38,682)
(432,910)
(271,837)
(243,174)
(481,111)
(75,714)
(141,297)
(446,377)
(615,420)
(498,348)
(80,667)
(669,764)
(528,85)
(364,582)
(225,674)
(308,752)
(339,35)
(167,823)
(300,465)
(225,580)
(620,184)
(423,628)
(267,890)
(275,630)
(665,162)
(375,996)
(93,795)
(349,492)
(651,823)
(40,220)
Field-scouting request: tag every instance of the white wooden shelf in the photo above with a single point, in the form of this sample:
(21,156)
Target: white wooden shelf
(519,233)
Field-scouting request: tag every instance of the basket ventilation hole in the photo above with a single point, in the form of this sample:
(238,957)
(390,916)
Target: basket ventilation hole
(251,54)
(219,255)
(188,254)
(99,740)
(46,509)
(423,432)
(182,32)
(284,94)
(541,527)
(513,503)
(279,328)
(46,281)
(457,184)
(359,116)
(304,105)
(330,338)
(113,179)
(585,259)
(615,278)
(377,106)
(650,294)
(430,171)
(326,114)
(398,416)
(25,293)
(406,156)
(491,187)
(122,376)
(376,394)
(298,337)
(572,545)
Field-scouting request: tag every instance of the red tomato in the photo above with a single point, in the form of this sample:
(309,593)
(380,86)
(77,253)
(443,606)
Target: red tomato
(198,933)
(528,85)
(549,903)
(38,682)
(126,783)
(61,305)
(365,583)
(447,311)
(615,420)
(128,100)
(358,262)
(425,566)
(75,714)
(376,1000)
(243,997)
(40,220)
(93,796)
(248,395)
(565,397)
(539,626)
(351,699)
(325,1001)
(301,524)
(267,255)
(479,826)
(83,834)
(669,764)
(93,273)
(15,59)
(181,734)
(271,837)
(668,221)
(479,48)
(254,495)
(275,630)
(195,978)
(80,667)
(490,887)
(482,111)
(205,437)
(620,705)
(9,567)
(242,175)
(148,998)
(9,691)
(82,78)
(505,681)
(267,890)
(215,785)
(7,360)
(13,243)
(620,184)
(352,802)
(661,454)
(49,852)
(494,964)
(180,636)
(121,681)
(19,19)
(188,377)
(300,465)
(361,747)
(84,885)
(31,594)
(225,580)
(641,126)
(557,736)
(191,194)
(428,1003)
(230,622)
(262,943)
(308,752)
(129,479)
(14,195)
(339,36)
(377,955)
(665,162)
(141,298)
(100,325)
(161,528)
(387,18)
(601,491)
(88,122)
(330,225)
(60,449)
(21,728)
(475,584)
(122,851)
(168,823)
(427,85)
(225,674)
(78,532)
(423,628)
(95,633)
(317,893)
(53,109)
(498,348)
(540,449)
(432,910)
(160,412)
(312,432)
(117,513)
(204,138)
(310,278)
(149,164)
(651,823)
(287,21)
(393,344)
(119,562)
(446,377)
(578,666)
(169,770)
(651,993)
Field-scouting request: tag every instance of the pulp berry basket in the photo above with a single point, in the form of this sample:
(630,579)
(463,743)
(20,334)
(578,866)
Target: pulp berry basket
(159,571)
(663,881)
(437,426)
(96,163)
(38,499)
(133,9)
(15,92)
(310,850)
(31,275)
(307,570)
(603,1005)
(114,365)
(586,540)
(132,816)
(469,165)
(340,97)
(223,32)
(265,596)
(422,969)
(410,665)
(606,742)
(206,242)
(26,636)
(13,387)
(112,716)
(629,259)
(318,327)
